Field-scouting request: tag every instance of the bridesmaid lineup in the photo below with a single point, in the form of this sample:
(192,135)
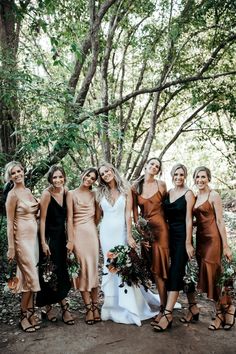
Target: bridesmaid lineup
(68,223)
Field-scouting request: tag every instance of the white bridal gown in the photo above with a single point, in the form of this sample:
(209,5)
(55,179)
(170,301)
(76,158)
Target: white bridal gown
(129,304)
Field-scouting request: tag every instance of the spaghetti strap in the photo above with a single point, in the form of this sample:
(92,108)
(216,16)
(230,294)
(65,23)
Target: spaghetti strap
(187,191)
(209,194)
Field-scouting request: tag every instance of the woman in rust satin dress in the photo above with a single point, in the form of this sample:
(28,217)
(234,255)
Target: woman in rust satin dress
(22,209)
(148,195)
(82,230)
(211,242)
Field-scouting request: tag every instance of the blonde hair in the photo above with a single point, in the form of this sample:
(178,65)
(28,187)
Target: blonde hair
(8,168)
(176,167)
(103,189)
(202,168)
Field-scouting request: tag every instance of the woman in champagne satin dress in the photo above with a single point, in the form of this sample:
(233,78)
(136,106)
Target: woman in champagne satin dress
(22,209)
(211,243)
(82,230)
(148,196)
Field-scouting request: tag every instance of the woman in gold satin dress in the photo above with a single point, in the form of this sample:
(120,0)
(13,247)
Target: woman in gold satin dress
(22,209)
(211,242)
(82,230)
(148,196)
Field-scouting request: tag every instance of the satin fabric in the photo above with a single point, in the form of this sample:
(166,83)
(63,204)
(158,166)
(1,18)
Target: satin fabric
(129,304)
(208,250)
(26,245)
(86,245)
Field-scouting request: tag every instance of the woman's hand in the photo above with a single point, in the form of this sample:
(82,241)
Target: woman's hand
(70,246)
(46,249)
(131,242)
(227,253)
(190,250)
(11,254)
(146,245)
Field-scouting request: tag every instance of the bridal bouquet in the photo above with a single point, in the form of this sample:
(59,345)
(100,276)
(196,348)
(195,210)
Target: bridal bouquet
(124,261)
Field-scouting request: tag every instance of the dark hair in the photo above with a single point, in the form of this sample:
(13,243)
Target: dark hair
(138,184)
(52,170)
(88,171)
(202,168)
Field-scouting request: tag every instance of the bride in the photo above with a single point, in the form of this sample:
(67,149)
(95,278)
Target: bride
(129,304)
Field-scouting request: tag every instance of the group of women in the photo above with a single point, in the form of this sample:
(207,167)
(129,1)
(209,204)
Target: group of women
(68,223)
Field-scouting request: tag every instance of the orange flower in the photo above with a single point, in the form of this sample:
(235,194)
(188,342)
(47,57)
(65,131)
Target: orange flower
(111,255)
(112,269)
(12,283)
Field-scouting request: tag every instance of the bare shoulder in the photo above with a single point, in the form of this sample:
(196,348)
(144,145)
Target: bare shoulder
(66,189)
(214,196)
(11,196)
(161,183)
(189,193)
(46,195)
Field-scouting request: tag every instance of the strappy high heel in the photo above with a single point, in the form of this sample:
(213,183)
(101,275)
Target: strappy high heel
(95,308)
(45,314)
(194,316)
(155,321)
(89,308)
(28,327)
(158,327)
(227,325)
(65,308)
(32,320)
(213,327)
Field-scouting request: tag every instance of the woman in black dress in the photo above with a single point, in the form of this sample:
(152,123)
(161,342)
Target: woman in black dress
(53,213)
(178,210)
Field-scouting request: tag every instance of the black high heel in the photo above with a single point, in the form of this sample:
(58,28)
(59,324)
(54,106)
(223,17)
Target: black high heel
(65,308)
(95,307)
(228,326)
(212,327)
(89,308)
(28,327)
(155,322)
(158,328)
(194,316)
(45,314)
(32,320)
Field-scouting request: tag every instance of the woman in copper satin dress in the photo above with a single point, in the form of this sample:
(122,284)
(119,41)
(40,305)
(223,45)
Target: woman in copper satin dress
(148,196)
(22,209)
(211,242)
(53,213)
(82,230)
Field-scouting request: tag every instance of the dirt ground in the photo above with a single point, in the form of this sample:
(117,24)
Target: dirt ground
(112,338)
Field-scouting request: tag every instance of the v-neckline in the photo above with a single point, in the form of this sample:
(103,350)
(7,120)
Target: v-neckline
(112,206)
(57,201)
(176,198)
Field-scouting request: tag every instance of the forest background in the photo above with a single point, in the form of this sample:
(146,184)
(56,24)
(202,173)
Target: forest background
(82,81)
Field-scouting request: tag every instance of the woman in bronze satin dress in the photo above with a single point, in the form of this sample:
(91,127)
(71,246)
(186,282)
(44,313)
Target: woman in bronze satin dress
(22,209)
(53,214)
(82,230)
(148,196)
(211,242)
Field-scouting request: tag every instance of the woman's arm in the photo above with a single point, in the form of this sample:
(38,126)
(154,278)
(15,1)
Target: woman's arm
(162,187)
(128,219)
(215,199)
(70,227)
(10,210)
(44,202)
(190,200)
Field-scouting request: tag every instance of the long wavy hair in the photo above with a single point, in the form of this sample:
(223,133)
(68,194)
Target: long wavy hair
(103,189)
(138,183)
